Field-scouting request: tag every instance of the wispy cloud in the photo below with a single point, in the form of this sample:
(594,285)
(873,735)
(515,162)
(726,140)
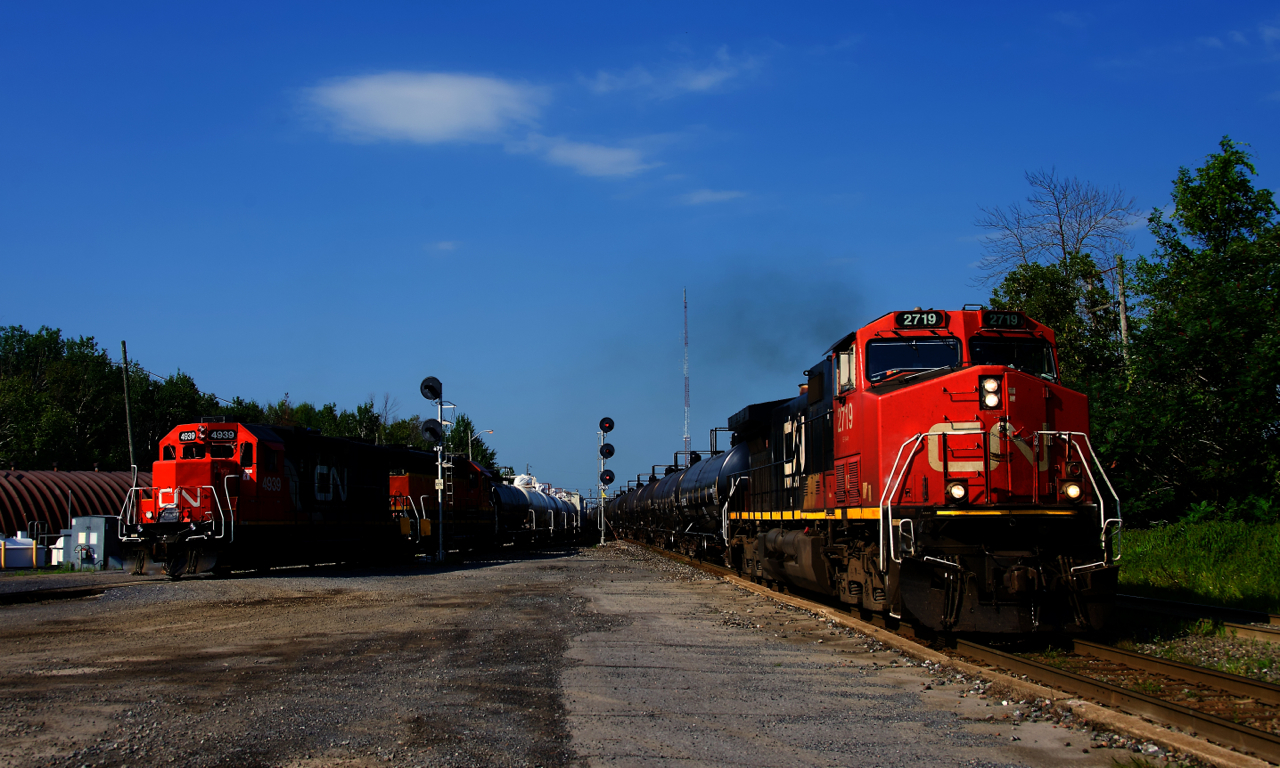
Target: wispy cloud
(672,81)
(704,196)
(587,159)
(445,245)
(1270,34)
(1210,42)
(427,107)
(438,108)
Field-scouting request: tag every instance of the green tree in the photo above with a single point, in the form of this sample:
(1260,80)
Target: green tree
(1068,295)
(458,440)
(1202,421)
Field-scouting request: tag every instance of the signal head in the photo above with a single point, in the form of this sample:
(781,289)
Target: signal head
(606,451)
(432,430)
(431,388)
(606,425)
(607,477)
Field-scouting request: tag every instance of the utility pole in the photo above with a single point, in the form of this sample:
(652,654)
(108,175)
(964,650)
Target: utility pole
(686,371)
(128,423)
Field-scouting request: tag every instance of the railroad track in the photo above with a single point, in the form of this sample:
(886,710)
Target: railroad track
(1233,711)
(1244,624)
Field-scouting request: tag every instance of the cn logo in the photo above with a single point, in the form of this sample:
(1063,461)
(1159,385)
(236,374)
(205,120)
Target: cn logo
(328,480)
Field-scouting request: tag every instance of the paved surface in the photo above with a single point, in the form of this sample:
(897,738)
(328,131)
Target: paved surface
(600,657)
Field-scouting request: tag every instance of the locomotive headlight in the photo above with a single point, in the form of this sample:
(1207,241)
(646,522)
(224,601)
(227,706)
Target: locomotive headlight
(1071,491)
(956,491)
(989,390)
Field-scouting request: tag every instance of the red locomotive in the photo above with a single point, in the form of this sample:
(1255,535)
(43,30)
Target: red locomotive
(933,465)
(228,495)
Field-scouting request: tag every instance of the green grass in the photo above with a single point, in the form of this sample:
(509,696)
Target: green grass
(1235,564)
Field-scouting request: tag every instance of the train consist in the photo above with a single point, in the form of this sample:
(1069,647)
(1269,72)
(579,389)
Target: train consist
(225,495)
(932,466)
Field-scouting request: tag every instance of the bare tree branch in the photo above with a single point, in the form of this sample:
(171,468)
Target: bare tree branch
(1061,216)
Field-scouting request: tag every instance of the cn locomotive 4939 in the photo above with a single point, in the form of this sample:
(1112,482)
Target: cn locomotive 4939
(932,466)
(227,495)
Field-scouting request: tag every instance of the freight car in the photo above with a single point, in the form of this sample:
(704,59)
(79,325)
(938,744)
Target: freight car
(226,495)
(932,466)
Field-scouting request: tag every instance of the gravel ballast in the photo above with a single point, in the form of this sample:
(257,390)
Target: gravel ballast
(604,656)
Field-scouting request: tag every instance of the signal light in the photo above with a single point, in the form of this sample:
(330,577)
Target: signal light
(607,477)
(957,491)
(1072,491)
(431,388)
(606,451)
(432,430)
(606,425)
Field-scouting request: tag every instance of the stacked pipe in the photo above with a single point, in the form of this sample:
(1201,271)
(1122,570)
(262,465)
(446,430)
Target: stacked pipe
(53,498)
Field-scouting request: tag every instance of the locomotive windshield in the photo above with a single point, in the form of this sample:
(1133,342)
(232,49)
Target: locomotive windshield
(886,358)
(1029,355)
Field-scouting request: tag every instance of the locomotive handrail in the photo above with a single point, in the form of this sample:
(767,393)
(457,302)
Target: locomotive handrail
(231,512)
(724,512)
(1104,521)
(130,502)
(888,493)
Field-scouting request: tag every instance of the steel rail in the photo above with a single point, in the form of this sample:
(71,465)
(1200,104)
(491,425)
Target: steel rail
(1242,686)
(1270,634)
(1250,740)
(1196,610)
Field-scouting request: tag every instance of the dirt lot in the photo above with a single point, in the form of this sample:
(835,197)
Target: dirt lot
(601,657)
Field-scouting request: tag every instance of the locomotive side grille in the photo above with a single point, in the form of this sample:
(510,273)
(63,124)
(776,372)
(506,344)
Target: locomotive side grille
(840,486)
(853,487)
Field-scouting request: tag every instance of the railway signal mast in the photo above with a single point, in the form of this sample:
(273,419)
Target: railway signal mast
(606,475)
(433,431)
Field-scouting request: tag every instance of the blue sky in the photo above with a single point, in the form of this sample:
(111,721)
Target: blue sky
(335,200)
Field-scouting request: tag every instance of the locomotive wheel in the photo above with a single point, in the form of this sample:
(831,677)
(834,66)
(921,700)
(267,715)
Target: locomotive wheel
(176,564)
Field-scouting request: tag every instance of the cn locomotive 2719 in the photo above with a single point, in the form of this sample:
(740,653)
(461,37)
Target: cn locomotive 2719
(229,495)
(933,465)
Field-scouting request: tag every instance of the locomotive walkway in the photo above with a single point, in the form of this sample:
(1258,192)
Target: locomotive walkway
(606,656)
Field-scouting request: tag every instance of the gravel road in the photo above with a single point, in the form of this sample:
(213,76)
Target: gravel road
(604,656)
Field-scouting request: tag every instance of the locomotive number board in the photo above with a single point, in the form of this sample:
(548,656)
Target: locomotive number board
(1003,320)
(190,435)
(929,318)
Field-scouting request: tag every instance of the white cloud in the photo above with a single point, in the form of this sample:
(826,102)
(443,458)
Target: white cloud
(445,245)
(1270,34)
(607,82)
(436,108)
(426,107)
(1210,42)
(587,159)
(704,196)
(674,81)
(1238,38)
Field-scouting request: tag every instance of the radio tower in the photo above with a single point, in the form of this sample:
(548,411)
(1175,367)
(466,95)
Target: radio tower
(686,373)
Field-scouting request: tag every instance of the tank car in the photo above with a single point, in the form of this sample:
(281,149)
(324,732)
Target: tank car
(933,466)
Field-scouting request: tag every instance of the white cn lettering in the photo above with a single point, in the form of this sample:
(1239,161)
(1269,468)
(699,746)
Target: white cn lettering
(327,494)
(193,502)
(339,482)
